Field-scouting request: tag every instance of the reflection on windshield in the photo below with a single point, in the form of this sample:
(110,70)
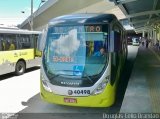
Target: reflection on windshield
(65,45)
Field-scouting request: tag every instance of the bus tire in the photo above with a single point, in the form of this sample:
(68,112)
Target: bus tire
(20,68)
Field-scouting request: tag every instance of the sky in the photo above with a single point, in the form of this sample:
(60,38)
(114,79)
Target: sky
(11,11)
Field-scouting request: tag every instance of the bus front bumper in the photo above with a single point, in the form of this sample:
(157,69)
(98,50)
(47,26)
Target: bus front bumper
(104,99)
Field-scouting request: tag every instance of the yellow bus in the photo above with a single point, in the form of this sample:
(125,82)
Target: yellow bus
(18,50)
(82,60)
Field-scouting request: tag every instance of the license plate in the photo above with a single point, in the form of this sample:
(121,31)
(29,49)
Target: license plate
(70,100)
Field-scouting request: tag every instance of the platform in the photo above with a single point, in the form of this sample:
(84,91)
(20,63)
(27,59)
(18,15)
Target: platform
(143,91)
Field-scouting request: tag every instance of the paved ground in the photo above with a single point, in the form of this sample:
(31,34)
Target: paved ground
(20,94)
(143,92)
(17,89)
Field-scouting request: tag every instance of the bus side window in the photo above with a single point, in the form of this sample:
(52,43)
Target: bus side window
(25,41)
(33,41)
(1,45)
(10,42)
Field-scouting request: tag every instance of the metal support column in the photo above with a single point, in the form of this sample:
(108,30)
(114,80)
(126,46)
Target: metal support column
(148,35)
(154,36)
(143,35)
(31,14)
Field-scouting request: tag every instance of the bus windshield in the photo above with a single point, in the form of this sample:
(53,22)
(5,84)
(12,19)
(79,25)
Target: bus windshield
(75,52)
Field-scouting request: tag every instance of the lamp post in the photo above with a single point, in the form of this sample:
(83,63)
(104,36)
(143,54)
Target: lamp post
(30,20)
(31,14)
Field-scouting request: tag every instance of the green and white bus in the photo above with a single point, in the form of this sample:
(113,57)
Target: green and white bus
(82,60)
(18,50)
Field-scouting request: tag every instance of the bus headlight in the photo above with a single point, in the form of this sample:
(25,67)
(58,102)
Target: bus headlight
(45,85)
(101,86)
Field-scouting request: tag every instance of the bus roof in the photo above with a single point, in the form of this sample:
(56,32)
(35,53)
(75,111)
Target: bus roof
(83,18)
(6,27)
(17,31)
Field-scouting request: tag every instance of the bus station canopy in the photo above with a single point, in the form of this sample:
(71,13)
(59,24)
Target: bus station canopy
(142,14)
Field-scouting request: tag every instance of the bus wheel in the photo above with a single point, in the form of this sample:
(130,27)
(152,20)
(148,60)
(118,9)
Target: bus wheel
(20,68)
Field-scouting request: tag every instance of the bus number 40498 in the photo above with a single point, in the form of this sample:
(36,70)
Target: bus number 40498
(81,91)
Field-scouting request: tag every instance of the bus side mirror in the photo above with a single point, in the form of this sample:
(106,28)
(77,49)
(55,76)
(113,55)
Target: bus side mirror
(42,39)
(114,44)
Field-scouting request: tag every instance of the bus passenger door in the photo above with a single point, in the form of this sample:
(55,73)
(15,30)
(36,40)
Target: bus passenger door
(115,49)
(37,50)
(1,48)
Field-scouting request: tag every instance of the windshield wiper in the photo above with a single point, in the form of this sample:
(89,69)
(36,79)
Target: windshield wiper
(87,76)
(57,75)
(51,75)
(54,76)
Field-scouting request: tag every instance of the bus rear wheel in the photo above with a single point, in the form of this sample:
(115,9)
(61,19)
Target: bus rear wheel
(20,68)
